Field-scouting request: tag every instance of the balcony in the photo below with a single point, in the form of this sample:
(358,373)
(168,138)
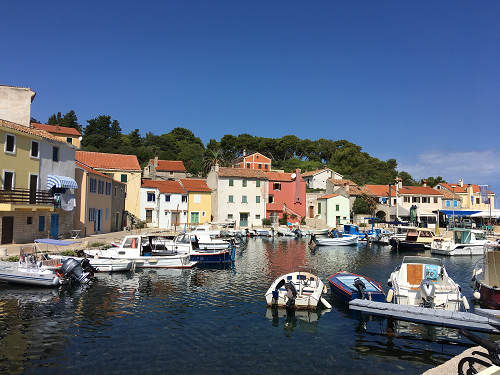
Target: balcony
(24,198)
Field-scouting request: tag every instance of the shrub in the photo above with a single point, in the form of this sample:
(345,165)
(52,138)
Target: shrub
(266,221)
(303,220)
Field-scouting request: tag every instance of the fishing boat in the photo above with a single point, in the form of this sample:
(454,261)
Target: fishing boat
(460,241)
(424,282)
(349,286)
(339,239)
(202,249)
(146,251)
(486,277)
(353,230)
(301,289)
(416,239)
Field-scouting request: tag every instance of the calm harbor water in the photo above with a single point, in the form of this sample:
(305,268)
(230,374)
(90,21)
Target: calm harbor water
(215,320)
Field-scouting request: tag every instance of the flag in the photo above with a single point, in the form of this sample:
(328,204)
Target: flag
(484,193)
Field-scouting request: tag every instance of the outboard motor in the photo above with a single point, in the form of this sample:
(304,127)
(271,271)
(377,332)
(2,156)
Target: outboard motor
(360,286)
(87,267)
(291,294)
(427,292)
(72,272)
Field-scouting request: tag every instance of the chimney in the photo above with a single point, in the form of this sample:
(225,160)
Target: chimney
(156,162)
(399,182)
(57,128)
(424,183)
(461,183)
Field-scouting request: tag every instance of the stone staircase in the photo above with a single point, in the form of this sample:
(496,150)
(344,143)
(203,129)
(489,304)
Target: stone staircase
(316,223)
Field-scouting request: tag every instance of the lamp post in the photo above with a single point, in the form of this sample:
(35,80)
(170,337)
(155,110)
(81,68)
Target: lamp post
(453,187)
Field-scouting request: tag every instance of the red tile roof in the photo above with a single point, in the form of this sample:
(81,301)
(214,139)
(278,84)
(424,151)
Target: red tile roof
(169,165)
(358,190)
(90,170)
(458,189)
(166,187)
(382,190)
(242,173)
(57,129)
(341,182)
(109,161)
(312,173)
(277,176)
(31,131)
(195,185)
(329,196)
(418,190)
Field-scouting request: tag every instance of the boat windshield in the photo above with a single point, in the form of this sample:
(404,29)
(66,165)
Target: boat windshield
(480,236)
(422,260)
(131,243)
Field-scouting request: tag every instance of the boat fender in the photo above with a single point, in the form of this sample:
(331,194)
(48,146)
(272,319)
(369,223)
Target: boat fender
(476,295)
(390,295)
(465,302)
(325,303)
(325,290)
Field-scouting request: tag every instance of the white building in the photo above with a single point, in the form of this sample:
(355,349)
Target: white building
(317,179)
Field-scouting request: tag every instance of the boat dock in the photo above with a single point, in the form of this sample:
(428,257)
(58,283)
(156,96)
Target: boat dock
(481,321)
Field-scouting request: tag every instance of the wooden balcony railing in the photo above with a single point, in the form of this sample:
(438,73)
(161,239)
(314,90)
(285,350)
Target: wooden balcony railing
(26,196)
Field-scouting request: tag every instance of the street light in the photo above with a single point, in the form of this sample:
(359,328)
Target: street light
(453,187)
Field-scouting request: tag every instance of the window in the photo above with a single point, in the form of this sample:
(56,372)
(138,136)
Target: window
(231,182)
(116,191)
(107,213)
(34,149)
(93,185)
(257,199)
(101,187)
(257,217)
(197,198)
(319,208)
(260,166)
(151,197)
(244,199)
(55,154)
(426,200)
(167,198)
(406,199)
(29,220)
(257,183)
(203,213)
(166,213)
(416,199)
(447,203)
(108,188)
(244,183)
(91,214)
(271,199)
(121,193)
(69,140)
(41,223)
(184,198)
(123,178)
(477,200)
(435,200)
(277,186)
(248,165)
(455,203)
(337,208)
(10,144)
(230,199)
(149,216)
(265,166)
(8,180)
(230,216)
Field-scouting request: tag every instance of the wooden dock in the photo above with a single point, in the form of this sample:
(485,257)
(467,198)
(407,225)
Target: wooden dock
(483,321)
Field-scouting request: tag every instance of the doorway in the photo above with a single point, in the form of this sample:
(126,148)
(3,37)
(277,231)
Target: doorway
(243,219)
(7,229)
(54,226)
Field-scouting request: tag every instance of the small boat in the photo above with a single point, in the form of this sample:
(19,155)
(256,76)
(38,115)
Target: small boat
(380,236)
(424,282)
(301,289)
(460,241)
(486,276)
(340,240)
(319,232)
(285,231)
(349,286)
(264,232)
(146,251)
(353,230)
(416,239)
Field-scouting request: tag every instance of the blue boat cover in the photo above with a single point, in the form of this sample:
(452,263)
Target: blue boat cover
(458,213)
(349,282)
(50,241)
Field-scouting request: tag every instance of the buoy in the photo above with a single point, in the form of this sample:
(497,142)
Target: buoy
(390,295)
(465,302)
(325,303)
(476,295)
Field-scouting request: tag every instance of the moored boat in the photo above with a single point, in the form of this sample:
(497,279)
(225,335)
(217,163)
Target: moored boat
(339,240)
(424,282)
(301,289)
(349,286)
(486,277)
(416,239)
(460,241)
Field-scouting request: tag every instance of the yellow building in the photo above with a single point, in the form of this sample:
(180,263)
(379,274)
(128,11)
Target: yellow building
(199,200)
(65,134)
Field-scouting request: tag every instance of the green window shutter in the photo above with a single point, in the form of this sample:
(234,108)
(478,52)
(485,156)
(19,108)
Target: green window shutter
(231,182)
(257,199)
(319,208)
(244,183)
(257,183)
(230,199)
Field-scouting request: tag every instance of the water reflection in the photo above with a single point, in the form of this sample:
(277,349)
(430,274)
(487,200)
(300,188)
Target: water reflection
(306,321)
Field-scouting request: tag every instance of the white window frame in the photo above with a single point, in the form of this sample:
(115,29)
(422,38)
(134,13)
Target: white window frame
(13,152)
(13,186)
(197,198)
(31,150)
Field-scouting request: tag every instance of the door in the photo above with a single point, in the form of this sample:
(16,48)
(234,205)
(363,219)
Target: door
(33,187)
(98,221)
(311,211)
(7,229)
(54,226)
(149,216)
(117,221)
(243,219)
(195,217)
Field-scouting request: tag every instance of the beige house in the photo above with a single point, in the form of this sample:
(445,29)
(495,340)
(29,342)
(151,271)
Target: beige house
(65,134)
(164,170)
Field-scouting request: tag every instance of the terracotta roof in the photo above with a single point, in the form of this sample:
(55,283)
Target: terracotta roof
(382,190)
(358,190)
(109,161)
(195,185)
(31,131)
(165,187)
(169,165)
(242,173)
(312,173)
(90,170)
(418,190)
(458,189)
(341,182)
(329,196)
(277,176)
(56,129)
(449,195)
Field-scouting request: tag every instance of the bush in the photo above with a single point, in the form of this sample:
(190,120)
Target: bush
(266,221)
(68,253)
(303,220)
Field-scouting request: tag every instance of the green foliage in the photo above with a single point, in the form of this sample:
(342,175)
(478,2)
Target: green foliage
(407,180)
(431,181)
(360,206)
(284,219)
(303,220)
(69,120)
(266,221)
(68,253)
(13,259)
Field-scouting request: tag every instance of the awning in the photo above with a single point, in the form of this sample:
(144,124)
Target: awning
(60,182)
(458,212)
(487,214)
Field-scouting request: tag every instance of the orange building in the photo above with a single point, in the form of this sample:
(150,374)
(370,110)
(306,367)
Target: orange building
(253,161)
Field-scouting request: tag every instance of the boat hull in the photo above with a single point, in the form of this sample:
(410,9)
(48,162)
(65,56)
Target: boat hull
(407,245)
(29,276)
(489,297)
(339,241)
(459,250)
(342,285)
(225,256)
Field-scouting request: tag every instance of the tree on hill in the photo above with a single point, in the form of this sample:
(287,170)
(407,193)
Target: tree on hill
(69,120)
(431,181)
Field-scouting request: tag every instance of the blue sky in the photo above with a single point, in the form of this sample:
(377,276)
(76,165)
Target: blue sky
(418,81)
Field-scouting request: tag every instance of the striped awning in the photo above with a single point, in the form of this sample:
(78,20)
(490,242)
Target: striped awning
(60,182)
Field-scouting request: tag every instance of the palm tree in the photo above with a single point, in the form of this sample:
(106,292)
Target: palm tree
(213,157)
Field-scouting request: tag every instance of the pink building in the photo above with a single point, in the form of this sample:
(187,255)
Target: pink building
(287,193)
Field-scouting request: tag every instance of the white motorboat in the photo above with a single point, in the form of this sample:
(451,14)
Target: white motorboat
(301,289)
(460,241)
(264,232)
(285,231)
(146,252)
(424,282)
(339,239)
